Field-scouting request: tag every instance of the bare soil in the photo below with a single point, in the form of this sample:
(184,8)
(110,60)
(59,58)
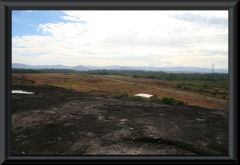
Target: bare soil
(56,121)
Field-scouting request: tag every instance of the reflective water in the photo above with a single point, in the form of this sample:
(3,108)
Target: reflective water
(143,95)
(21,91)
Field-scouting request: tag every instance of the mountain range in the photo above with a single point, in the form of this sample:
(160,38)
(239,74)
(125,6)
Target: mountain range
(116,67)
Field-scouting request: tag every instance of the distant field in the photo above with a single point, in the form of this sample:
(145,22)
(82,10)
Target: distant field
(219,92)
(105,85)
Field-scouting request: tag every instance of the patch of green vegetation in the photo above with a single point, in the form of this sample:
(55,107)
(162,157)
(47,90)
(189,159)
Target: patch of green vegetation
(123,95)
(155,99)
(137,98)
(180,102)
(102,95)
(169,101)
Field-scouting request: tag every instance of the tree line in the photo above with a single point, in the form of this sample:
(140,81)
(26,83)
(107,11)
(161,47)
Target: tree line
(136,74)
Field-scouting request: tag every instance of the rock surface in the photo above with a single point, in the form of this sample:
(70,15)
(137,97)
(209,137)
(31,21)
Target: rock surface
(54,121)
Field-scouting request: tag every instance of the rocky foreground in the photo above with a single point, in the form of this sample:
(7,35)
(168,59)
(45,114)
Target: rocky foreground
(54,121)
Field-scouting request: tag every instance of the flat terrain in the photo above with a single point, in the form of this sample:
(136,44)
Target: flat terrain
(56,121)
(109,85)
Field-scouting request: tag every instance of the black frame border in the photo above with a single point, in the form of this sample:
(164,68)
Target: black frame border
(6,6)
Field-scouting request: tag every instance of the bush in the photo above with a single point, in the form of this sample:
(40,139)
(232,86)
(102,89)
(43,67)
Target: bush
(169,101)
(102,95)
(123,95)
(179,86)
(137,98)
(155,99)
(180,102)
(224,97)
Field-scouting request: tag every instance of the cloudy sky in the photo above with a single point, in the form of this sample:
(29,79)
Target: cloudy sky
(126,38)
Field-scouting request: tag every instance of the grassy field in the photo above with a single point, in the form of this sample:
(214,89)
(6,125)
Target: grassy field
(219,91)
(104,85)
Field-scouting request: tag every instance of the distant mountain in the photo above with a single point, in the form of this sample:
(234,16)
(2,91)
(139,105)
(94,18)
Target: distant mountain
(59,66)
(130,68)
(173,69)
(22,66)
(193,70)
(103,67)
(115,67)
(17,65)
(80,67)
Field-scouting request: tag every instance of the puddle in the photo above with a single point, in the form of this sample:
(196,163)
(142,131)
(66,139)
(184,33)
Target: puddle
(144,95)
(21,91)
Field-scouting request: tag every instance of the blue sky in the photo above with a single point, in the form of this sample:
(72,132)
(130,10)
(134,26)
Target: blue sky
(129,38)
(26,22)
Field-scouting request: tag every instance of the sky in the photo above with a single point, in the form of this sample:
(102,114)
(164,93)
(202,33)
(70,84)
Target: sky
(125,38)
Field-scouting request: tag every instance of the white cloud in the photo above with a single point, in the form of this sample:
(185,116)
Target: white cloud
(129,38)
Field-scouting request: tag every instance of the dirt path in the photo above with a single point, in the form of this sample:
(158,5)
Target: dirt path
(55,121)
(167,90)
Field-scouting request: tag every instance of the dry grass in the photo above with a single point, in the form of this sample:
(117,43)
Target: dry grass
(97,85)
(222,94)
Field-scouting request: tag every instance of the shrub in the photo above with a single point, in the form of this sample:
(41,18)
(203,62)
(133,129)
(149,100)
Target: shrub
(224,97)
(154,99)
(137,98)
(123,95)
(103,95)
(214,93)
(197,105)
(179,86)
(169,101)
(180,102)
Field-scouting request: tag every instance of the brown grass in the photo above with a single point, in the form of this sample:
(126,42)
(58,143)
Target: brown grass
(97,85)
(172,85)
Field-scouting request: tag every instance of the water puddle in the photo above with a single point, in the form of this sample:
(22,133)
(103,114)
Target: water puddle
(144,95)
(21,91)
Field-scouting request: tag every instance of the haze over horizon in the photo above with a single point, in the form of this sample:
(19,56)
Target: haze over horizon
(123,38)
